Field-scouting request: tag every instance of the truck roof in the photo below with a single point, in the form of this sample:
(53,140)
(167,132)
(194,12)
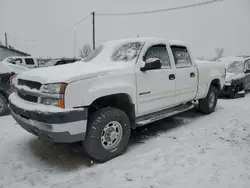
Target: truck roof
(144,39)
(22,57)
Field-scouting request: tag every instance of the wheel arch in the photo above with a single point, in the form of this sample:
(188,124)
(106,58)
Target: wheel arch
(122,101)
(216,83)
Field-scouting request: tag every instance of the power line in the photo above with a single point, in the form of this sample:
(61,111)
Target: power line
(159,10)
(73,26)
(18,39)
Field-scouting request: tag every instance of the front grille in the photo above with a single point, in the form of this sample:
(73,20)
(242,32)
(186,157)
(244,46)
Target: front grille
(30,84)
(29,98)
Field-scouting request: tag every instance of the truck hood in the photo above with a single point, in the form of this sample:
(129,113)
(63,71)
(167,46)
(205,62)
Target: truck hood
(71,72)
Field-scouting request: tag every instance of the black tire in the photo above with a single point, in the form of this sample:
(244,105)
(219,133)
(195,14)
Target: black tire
(204,104)
(93,140)
(4,108)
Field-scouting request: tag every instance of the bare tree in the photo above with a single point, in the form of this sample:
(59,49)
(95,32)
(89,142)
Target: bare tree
(85,50)
(219,53)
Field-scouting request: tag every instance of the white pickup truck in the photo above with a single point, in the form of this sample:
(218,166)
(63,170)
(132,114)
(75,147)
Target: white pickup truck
(121,85)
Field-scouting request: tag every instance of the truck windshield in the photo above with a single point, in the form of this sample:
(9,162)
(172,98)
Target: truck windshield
(236,67)
(122,52)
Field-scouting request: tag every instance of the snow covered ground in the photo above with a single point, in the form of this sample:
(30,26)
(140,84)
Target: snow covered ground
(188,150)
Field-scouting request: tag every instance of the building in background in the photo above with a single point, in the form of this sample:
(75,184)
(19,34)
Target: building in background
(8,52)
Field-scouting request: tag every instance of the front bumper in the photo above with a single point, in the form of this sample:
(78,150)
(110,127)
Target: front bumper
(65,127)
(229,90)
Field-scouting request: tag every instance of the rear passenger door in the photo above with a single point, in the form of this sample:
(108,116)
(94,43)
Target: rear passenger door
(186,74)
(247,72)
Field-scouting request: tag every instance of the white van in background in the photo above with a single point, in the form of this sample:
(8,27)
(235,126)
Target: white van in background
(25,61)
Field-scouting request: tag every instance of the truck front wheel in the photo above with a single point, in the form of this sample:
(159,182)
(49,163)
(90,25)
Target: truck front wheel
(108,134)
(208,104)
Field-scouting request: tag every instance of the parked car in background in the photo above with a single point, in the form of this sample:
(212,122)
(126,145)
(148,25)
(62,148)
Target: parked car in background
(25,61)
(129,83)
(61,61)
(237,76)
(7,77)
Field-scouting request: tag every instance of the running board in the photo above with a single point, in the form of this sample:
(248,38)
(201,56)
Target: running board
(149,118)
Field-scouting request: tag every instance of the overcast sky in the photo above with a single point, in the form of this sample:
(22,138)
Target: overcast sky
(33,25)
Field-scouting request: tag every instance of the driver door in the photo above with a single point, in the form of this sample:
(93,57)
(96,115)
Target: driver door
(155,88)
(247,72)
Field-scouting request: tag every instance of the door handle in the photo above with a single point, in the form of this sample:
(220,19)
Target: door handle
(171,77)
(192,74)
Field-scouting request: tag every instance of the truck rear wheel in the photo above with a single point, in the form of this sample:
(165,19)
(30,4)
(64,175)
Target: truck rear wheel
(3,105)
(107,135)
(208,104)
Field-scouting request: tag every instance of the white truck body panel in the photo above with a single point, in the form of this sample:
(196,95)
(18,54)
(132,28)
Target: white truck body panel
(148,91)
(208,72)
(88,81)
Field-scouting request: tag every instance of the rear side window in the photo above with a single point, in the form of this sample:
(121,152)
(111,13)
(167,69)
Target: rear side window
(29,61)
(181,56)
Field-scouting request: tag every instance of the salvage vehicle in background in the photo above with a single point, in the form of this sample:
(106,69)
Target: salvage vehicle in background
(25,61)
(7,76)
(61,61)
(124,84)
(237,76)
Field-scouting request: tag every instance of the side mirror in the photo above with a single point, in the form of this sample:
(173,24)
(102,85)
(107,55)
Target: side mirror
(151,64)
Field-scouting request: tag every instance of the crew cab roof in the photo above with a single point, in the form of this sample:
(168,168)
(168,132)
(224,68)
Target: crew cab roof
(22,57)
(145,39)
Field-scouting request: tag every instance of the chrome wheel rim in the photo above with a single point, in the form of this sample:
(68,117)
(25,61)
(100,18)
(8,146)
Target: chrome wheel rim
(211,100)
(111,135)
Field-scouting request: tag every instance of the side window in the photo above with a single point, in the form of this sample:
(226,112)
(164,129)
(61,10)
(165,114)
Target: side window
(29,61)
(16,61)
(60,63)
(181,57)
(160,52)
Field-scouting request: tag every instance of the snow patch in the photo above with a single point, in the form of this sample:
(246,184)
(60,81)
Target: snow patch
(26,88)
(150,60)
(241,92)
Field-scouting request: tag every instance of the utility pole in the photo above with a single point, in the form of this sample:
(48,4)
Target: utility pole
(74,43)
(93,15)
(6,39)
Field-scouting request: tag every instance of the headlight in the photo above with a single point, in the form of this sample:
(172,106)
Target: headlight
(58,88)
(49,101)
